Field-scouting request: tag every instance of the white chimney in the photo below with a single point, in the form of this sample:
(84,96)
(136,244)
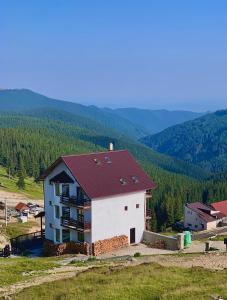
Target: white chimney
(111,147)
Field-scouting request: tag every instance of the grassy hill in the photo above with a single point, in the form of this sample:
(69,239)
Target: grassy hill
(202,141)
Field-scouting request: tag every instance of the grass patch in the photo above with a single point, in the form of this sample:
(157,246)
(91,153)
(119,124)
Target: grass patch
(12,270)
(147,281)
(220,237)
(32,190)
(12,230)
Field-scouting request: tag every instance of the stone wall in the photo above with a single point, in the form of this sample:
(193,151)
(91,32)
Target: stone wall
(51,249)
(108,245)
(156,240)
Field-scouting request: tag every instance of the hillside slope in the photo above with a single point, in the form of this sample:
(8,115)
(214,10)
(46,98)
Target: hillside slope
(155,120)
(23,100)
(202,141)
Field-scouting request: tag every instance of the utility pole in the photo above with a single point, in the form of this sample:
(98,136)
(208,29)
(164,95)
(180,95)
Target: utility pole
(5,212)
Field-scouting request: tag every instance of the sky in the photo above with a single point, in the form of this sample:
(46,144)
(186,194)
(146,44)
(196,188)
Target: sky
(117,53)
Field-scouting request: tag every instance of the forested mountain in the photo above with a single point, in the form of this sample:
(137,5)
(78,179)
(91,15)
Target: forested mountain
(155,121)
(132,122)
(202,141)
(35,135)
(24,100)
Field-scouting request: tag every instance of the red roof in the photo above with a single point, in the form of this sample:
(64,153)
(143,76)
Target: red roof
(205,212)
(221,206)
(21,206)
(105,174)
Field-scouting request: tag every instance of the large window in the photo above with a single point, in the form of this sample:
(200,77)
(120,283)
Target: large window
(57,212)
(57,189)
(80,237)
(57,235)
(65,190)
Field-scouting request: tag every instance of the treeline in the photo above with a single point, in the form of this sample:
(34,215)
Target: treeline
(28,145)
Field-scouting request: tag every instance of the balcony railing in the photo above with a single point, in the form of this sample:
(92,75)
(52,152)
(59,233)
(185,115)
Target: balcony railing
(148,213)
(76,224)
(74,201)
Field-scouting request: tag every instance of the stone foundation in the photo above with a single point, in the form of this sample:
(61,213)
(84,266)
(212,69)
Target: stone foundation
(107,245)
(51,249)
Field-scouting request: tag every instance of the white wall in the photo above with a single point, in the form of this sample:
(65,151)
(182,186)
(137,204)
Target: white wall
(110,219)
(191,217)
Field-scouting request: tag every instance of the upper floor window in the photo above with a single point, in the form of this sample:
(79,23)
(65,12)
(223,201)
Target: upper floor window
(126,207)
(65,189)
(137,205)
(57,189)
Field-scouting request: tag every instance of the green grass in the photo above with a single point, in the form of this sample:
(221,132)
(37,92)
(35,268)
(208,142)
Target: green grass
(32,190)
(12,230)
(12,269)
(146,282)
(219,237)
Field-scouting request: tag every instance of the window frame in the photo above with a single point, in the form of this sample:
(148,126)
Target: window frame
(57,189)
(57,235)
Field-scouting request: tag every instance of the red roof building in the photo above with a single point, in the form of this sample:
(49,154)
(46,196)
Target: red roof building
(221,206)
(105,174)
(21,207)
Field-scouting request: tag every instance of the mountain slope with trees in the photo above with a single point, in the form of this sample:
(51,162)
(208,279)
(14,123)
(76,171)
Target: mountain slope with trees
(202,141)
(155,120)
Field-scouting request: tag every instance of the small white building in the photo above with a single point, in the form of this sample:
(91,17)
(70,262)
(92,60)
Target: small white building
(198,216)
(94,197)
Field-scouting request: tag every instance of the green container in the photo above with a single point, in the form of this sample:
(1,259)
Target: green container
(187,239)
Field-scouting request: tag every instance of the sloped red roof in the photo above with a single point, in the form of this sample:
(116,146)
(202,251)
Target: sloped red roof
(221,206)
(21,206)
(106,173)
(204,211)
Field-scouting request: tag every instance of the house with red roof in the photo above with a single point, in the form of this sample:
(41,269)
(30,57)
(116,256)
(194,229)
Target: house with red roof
(198,216)
(221,206)
(98,199)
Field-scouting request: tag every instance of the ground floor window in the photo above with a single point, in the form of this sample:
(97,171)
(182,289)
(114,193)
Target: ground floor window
(65,235)
(81,237)
(57,235)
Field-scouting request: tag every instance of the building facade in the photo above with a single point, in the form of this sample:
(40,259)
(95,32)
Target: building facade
(96,197)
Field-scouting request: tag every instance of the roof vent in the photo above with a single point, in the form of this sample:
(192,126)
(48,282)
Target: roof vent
(123,181)
(107,160)
(135,179)
(97,161)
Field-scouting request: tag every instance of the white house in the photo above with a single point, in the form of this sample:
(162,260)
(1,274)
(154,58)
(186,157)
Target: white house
(198,216)
(96,197)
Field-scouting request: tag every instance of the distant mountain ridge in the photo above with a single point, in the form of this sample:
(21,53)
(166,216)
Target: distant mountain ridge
(202,141)
(132,122)
(156,120)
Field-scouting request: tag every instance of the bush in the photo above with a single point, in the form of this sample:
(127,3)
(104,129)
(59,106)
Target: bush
(137,254)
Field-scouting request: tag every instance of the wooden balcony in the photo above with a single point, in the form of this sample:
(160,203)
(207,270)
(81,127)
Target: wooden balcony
(76,224)
(148,213)
(74,201)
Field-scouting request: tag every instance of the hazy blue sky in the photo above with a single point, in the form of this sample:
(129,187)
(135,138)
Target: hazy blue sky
(170,54)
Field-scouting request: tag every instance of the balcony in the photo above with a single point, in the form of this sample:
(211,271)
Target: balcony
(78,225)
(74,201)
(148,213)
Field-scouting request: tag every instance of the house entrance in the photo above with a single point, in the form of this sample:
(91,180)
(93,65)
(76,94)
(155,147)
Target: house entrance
(132,235)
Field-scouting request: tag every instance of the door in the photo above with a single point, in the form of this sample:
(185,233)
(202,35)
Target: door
(132,235)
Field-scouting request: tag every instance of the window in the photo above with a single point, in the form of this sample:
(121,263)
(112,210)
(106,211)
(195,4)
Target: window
(189,224)
(137,206)
(57,235)
(126,207)
(196,226)
(57,189)
(65,235)
(80,236)
(50,203)
(65,190)
(57,212)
